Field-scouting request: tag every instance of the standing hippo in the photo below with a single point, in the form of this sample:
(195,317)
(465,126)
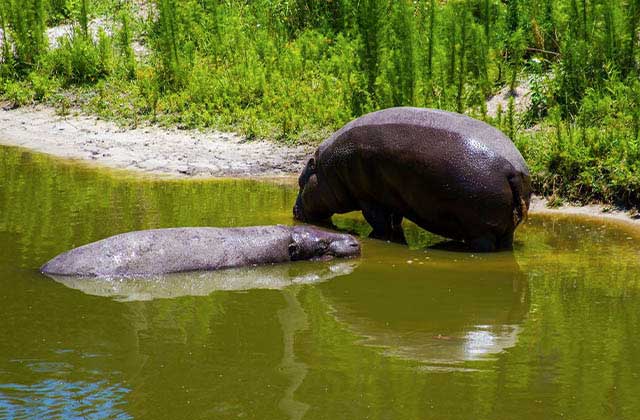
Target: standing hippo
(160,251)
(450,174)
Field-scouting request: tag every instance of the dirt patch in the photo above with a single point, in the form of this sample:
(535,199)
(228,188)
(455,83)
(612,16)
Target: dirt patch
(56,34)
(151,150)
(521,99)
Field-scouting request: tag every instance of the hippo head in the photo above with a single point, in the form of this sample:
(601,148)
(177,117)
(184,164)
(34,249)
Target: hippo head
(311,203)
(310,243)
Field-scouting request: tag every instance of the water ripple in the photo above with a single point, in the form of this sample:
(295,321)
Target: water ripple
(61,399)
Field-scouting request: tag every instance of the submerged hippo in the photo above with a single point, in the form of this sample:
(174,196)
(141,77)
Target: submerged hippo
(450,174)
(159,251)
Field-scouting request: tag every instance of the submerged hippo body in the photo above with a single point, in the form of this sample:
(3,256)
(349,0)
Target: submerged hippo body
(159,251)
(450,174)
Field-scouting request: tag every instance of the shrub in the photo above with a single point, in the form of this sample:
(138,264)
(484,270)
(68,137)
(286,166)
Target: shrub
(79,61)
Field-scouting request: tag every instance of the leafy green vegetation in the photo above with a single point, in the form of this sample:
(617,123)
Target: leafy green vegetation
(296,70)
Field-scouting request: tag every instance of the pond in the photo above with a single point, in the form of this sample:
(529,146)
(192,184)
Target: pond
(547,331)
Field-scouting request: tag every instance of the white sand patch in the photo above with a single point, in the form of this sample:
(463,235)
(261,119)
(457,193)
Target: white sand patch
(592,211)
(521,100)
(151,150)
(57,33)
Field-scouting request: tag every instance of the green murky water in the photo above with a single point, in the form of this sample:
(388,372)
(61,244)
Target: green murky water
(549,331)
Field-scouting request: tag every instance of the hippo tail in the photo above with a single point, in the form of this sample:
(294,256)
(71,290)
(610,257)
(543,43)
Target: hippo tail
(521,190)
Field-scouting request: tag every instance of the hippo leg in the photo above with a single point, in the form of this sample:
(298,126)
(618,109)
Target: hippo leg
(505,241)
(386,224)
(486,243)
(396,229)
(491,242)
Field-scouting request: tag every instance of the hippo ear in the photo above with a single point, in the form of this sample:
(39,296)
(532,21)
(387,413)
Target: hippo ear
(307,172)
(294,251)
(294,247)
(298,248)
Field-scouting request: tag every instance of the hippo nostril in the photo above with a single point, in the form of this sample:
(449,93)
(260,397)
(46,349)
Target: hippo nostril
(353,245)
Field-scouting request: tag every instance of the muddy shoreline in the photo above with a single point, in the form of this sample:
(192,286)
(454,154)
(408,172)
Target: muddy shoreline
(185,154)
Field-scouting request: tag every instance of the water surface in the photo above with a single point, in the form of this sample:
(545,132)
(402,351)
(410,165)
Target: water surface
(547,331)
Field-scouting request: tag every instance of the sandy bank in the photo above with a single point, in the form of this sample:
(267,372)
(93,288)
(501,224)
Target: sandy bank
(151,150)
(595,212)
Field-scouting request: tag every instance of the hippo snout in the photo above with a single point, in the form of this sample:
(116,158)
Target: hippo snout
(297,210)
(308,242)
(297,214)
(348,247)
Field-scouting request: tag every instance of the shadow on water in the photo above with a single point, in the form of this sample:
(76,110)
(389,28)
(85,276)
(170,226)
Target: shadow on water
(446,306)
(416,237)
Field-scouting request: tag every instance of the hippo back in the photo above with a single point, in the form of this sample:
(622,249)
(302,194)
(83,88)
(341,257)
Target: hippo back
(174,250)
(444,125)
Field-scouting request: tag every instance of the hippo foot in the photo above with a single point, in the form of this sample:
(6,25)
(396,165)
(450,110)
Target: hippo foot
(489,243)
(483,244)
(505,242)
(396,235)
(386,225)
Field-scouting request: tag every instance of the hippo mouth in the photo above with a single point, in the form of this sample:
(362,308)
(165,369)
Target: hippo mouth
(298,214)
(344,248)
(308,242)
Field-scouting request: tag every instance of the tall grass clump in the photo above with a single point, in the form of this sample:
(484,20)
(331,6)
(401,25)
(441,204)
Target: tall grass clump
(124,43)
(58,11)
(79,58)
(166,37)
(6,48)
(24,25)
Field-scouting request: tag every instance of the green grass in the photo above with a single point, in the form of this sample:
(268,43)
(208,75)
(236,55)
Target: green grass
(294,71)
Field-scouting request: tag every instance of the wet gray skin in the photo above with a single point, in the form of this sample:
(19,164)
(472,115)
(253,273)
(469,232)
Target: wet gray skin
(175,250)
(450,174)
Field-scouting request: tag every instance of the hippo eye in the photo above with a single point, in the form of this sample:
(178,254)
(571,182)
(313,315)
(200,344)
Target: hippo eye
(308,170)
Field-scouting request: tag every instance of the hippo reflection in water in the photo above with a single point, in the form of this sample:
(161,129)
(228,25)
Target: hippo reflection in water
(176,250)
(450,174)
(449,310)
(164,286)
